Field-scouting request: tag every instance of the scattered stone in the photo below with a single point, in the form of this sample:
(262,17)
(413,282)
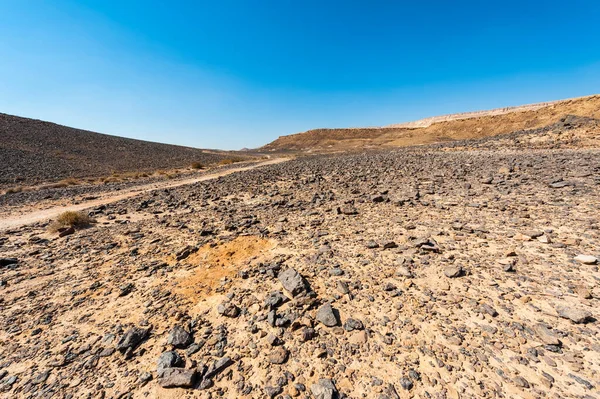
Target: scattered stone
(217,367)
(8,261)
(577,316)
(389,245)
(292,281)
(406,384)
(521,382)
(132,338)
(326,316)
(586,384)
(168,360)
(177,378)
(278,355)
(347,210)
(145,377)
(228,309)
(371,244)
(546,334)
(353,324)
(324,389)
(586,259)
(453,271)
(275,299)
(63,232)
(125,289)
(403,271)
(179,337)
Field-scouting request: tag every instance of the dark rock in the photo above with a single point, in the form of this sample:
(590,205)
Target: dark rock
(63,232)
(193,348)
(228,309)
(273,340)
(279,355)
(577,316)
(307,334)
(177,378)
(353,324)
(326,316)
(485,308)
(132,338)
(167,360)
(218,366)
(179,338)
(273,391)
(8,261)
(324,389)
(145,377)
(521,382)
(292,281)
(406,384)
(347,210)
(586,384)
(275,299)
(372,244)
(389,245)
(125,289)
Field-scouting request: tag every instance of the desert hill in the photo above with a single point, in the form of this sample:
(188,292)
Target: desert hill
(33,151)
(446,128)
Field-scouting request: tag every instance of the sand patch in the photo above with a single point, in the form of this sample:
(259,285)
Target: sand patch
(216,262)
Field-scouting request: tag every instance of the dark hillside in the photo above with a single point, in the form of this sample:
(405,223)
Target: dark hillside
(34,151)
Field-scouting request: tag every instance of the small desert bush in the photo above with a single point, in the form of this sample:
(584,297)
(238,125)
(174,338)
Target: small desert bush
(197,165)
(117,177)
(71,219)
(133,175)
(111,179)
(229,161)
(71,181)
(14,190)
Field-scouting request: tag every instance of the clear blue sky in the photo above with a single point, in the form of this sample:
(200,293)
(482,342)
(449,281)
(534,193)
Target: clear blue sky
(239,73)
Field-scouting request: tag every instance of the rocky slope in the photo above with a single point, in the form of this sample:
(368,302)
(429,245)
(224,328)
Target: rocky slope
(426,122)
(475,125)
(34,151)
(433,272)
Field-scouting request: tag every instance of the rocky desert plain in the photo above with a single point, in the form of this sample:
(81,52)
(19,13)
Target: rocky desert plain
(460,268)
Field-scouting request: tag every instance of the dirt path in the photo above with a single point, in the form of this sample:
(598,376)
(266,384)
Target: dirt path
(20,219)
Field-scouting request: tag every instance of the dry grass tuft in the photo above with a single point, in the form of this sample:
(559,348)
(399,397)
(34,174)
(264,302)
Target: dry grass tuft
(197,165)
(229,161)
(71,219)
(71,181)
(14,190)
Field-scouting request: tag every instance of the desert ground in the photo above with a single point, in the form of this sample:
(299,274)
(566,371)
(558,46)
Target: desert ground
(462,269)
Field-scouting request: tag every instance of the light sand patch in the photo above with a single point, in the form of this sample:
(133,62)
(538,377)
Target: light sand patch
(221,261)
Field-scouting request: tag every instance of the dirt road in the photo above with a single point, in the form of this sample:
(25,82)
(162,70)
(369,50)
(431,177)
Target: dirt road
(19,219)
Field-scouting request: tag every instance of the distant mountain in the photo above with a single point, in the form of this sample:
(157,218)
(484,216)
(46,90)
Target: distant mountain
(469,125)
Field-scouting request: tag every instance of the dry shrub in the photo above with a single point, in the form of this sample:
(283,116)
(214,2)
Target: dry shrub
(197,165)
(133,175)
(71,181)
(111,179)
(14,190)
(229,161)
(71,219)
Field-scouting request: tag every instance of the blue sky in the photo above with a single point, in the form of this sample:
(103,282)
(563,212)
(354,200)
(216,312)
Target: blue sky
(232,73)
